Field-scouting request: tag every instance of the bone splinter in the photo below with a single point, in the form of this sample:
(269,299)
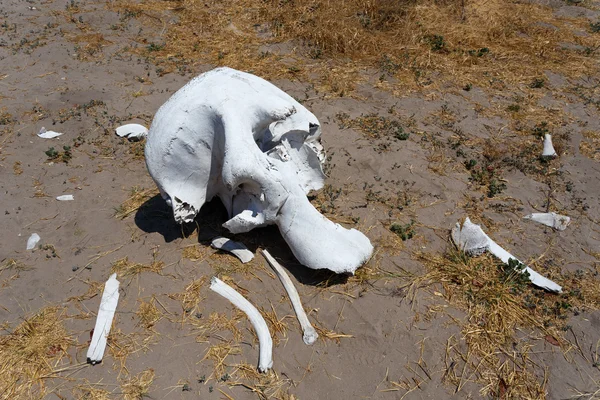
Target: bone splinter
(265,358)
(310,334)
(106,313)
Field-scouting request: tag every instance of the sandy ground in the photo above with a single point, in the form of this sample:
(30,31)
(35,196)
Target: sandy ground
(387,339)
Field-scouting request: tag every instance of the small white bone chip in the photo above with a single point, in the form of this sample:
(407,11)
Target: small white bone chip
(48,134)
(551,219)
(106,313)
(65,197)
(548,148)
(132,131)
(265,358)
(310,334)
(33,241)
(235,248)
(471,239)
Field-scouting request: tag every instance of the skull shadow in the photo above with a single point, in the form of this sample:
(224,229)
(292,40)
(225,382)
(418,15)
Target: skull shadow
(155,216)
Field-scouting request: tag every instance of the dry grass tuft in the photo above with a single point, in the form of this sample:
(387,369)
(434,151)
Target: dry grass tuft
(265,385)
(123,345)
(148,313)
(32,352)
(137,387)
(590,146)
(137,197)
(487,43)
(217,354)
(89,392)
(124,268)
(499,302)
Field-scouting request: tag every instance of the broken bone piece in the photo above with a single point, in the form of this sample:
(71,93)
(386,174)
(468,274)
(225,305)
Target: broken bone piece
(548,150)
(551,219)
(471,239)
(265,358)
(65,197)
(106,313)
(235,136)
(235,248)
(43,133)
(310,335)
(33,241)
(132,131)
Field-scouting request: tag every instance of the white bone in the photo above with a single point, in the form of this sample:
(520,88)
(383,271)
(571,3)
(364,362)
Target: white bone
(132,131)
(235,248)
(310,335)
(65,197)
(471,239)
(48,134)
(106,313)
(551,219)
(265,357)
(548,148)
(33,241)
(236,136)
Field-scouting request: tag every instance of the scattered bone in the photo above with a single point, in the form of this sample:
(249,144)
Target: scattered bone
(310,334)
(65,197)
(236,136)
(265,358)
(48,134)
(471,239)
(548,148)
(33,241)
(551,219)
(106,313)
(132,131)
(235,248)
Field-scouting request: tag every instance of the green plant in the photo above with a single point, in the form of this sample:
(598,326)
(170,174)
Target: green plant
(513,108)
(470,164)
(495,188)
(66,155)
(467,87)
(537,83)
(515,274)
(595,27)
(436,42)
(405,231)
(51,153)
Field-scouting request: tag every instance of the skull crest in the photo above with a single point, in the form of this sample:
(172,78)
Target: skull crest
(236,136)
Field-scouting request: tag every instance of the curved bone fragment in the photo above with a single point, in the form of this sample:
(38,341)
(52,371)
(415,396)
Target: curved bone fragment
(551,219)
(265,358)
(132,131)
(65,197)
(548,148)
(106,313)
(310,335)
(471,239)
(236,136)
(235,248)
(33,241)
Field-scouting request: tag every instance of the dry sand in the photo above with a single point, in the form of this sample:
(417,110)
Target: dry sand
(384,335)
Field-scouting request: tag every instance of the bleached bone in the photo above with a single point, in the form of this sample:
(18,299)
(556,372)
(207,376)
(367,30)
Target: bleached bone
(551,219)
(310,335)
(548,148)
(132,131)
(471,239)
(235,248)
(265,357)
(43,133)
(236,136)
(106,313)
(33,241)
(65,197)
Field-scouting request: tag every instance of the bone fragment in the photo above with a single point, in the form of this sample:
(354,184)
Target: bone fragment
(551,219)
(33,241)
(265,358)
(235,248)
(471,239)
(548,148)
(132,131)
(48,134)
(310,334)
(65,197)
(106,313)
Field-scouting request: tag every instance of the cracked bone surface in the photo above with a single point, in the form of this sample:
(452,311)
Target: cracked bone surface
(471,239)
(236,136)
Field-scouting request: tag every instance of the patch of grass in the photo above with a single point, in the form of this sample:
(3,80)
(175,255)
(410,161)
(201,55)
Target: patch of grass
(404,231)
(374,126)
(138,387)
(125,268)
(32,352)
(55,155)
